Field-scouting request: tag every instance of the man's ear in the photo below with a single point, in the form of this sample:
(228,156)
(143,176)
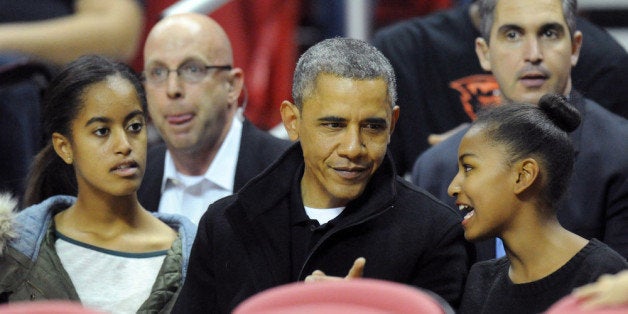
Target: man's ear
(576,44)
(236,84)
(481,49)
(290,116)
(393,120)
(527,174)
(62,147)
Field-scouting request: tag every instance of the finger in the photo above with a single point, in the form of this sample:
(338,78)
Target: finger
(585,291)
(311,278)
(357,269)
(316,275)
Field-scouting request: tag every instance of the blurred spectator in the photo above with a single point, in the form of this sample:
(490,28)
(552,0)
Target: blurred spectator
(441,83)
(36,36)
(192,87)
(62,30)
(263,37)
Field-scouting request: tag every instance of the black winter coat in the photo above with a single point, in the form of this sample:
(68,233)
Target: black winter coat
(243,242)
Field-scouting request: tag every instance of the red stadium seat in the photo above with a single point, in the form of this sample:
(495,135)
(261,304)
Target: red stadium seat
(365,296)
(46,307)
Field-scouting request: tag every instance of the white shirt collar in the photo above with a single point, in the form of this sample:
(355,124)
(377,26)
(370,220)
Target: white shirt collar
(222,169)
(323,215)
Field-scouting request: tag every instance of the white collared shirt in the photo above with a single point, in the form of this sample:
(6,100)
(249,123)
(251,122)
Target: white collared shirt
(191,195)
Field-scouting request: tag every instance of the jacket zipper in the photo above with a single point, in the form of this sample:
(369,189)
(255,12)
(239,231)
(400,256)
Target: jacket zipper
(34,287)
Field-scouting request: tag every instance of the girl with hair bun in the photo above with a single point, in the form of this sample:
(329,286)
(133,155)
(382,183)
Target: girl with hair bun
(514,164)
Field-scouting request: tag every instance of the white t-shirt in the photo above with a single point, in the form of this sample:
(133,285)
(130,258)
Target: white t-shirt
(106,280)
(323,215)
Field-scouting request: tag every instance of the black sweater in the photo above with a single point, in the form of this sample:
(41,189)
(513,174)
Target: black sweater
(490,290)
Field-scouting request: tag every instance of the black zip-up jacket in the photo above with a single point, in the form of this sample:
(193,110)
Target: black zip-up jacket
(243,242)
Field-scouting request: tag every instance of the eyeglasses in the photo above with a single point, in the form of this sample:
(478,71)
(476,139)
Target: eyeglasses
(189,72)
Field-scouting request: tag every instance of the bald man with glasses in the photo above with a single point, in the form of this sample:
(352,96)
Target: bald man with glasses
(192,86)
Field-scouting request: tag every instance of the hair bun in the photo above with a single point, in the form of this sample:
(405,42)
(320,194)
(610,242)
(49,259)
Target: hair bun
(560,111)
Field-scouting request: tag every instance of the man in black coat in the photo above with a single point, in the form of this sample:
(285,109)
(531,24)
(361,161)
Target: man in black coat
(192,89)
(332,199)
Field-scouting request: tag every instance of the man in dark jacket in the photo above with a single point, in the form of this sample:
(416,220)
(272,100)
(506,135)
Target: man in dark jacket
(192,90)
(441,84)
(330,199)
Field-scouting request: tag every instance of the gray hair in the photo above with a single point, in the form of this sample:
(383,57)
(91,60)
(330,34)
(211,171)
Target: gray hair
(342,57)
(487,14)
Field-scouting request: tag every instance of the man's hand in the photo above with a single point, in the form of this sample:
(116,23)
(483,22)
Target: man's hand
(608,290)
(356,271)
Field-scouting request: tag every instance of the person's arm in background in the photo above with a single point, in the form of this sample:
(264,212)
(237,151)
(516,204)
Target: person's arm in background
(111,28)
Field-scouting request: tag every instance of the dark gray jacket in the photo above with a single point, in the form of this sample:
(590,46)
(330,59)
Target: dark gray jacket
(31,269)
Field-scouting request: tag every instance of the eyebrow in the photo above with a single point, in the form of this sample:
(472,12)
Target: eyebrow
(154,63)
(375,120)
(128,117)
(556,26)
(133,114)
(332,119)
(339,119)
(552,25)
(465,155)
(507,27)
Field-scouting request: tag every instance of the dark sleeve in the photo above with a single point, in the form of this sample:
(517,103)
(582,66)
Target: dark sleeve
(616,228)
(600,181)
(602,65)
(436,168)
(34,10)
(198,293)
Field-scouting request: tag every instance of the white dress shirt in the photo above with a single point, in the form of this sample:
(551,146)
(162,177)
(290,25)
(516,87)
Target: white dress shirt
(191,195)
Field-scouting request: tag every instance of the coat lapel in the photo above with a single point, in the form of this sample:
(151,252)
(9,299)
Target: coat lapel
(149,193)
